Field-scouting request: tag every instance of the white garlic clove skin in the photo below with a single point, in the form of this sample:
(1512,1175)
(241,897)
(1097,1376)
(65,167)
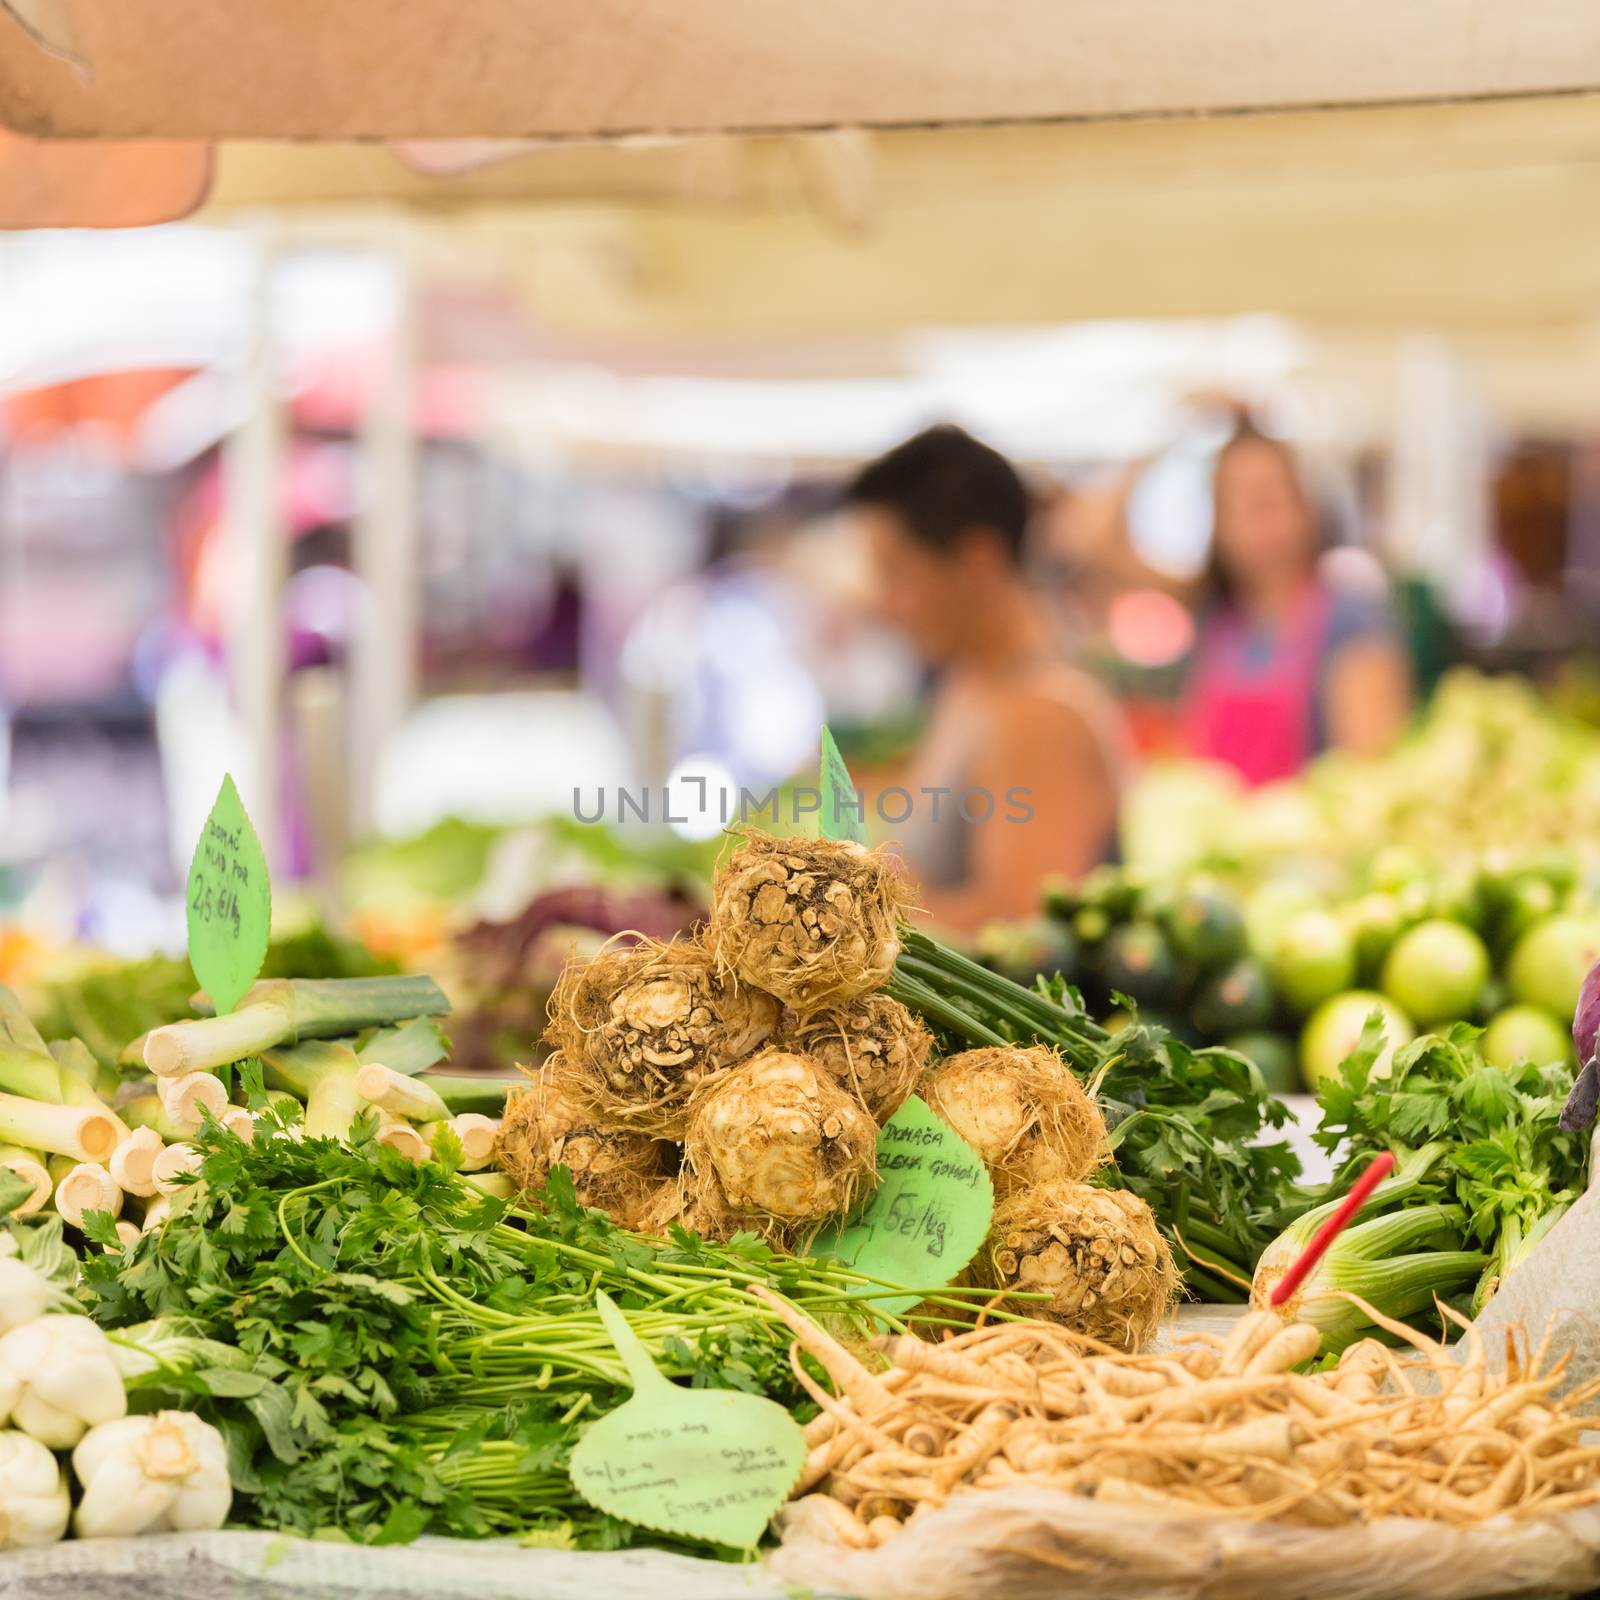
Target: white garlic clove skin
(34,1504)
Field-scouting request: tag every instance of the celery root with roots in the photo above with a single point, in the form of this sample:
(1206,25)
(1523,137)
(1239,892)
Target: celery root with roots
(778,1136)
(872,1045)
(640,1027)
(614,1170)
(1023,1111)
(1096,1252)
(813,921)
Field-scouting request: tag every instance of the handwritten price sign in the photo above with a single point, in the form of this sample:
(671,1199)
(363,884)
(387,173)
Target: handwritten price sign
(229,902)
(929,1214)
(703,1463)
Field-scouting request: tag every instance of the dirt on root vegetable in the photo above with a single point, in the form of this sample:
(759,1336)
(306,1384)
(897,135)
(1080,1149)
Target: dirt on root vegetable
(1024,1111)
(1096,1252)
(640,1028)
(778,1136)
(872,1046)
(813,921)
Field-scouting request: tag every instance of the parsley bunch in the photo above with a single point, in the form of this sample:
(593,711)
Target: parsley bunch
(1189,1128)
(387,1350)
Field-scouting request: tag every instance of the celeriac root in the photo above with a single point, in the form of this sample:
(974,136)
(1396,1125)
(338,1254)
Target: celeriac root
(812,921)
(1023,1111)
(615,1170)
(779,1137)
(1218,1428)
(872,1046)
(1096,1252)
(639,1027)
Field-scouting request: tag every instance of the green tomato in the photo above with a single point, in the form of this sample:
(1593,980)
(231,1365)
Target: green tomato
(1335,1030)
(1314,957)
(1551,960)
(1525,1033)
(1436,971)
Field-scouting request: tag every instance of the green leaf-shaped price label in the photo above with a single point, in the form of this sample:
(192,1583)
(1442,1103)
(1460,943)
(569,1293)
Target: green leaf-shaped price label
(929,1214)
(843,814)
(700,1463)
(230,903)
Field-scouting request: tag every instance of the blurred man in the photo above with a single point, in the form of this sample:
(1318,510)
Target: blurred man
(1019,773)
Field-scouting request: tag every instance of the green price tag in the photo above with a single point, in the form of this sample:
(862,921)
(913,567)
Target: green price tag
(701,1463)
(230,903)
(929,1214)
(843,813)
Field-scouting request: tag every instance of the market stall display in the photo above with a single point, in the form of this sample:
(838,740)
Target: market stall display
(275,1264)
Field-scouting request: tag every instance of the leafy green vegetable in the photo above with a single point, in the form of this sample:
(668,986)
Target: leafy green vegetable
(1187,1126)
(1499,1150)
(13,1191)
(414,1355)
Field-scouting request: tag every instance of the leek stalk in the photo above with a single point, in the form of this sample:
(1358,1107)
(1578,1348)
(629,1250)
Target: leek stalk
(82,1132)
(26,1072)
(286,1011)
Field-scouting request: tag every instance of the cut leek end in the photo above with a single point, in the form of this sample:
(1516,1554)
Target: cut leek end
(476,1134)
(84,1188)
(403,1137)
(27,1166)
(84,1133)
(173,1166)
(133,1160)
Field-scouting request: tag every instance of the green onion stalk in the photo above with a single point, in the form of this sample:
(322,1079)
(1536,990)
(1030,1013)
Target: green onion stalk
(1187,1126)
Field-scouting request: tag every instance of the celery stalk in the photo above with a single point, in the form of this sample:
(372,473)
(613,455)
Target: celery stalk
(82,1132)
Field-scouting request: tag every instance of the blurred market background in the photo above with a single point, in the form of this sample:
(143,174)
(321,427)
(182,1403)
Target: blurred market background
(420,484)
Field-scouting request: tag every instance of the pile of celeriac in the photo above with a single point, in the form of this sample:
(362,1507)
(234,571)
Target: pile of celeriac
(737,1080)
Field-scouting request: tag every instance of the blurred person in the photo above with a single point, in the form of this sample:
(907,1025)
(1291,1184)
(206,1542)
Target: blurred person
(946,518)
(1287,663)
